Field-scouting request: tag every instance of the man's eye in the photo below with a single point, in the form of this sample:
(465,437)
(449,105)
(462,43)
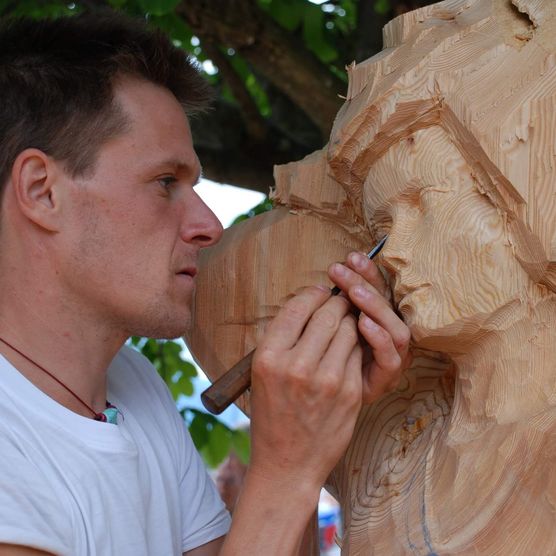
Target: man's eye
(167,181)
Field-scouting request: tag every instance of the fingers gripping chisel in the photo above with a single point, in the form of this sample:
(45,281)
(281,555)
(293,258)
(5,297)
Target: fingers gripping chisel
(227,389)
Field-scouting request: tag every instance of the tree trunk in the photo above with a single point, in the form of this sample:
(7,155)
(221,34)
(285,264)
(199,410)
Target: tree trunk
(445,142)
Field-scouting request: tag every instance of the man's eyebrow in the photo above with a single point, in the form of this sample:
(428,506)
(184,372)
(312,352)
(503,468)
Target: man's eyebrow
(184,166)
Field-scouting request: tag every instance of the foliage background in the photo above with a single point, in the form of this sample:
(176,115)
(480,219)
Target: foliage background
(278,70)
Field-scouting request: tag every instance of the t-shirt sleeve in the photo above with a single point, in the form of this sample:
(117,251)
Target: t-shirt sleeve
(205,516)
(31,513)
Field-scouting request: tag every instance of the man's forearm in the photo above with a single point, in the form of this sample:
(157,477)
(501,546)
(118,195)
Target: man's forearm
(270,517)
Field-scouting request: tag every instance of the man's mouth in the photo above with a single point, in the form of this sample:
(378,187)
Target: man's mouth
(188,271)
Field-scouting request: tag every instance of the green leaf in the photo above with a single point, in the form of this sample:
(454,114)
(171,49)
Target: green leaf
(165,355)
(241,445)
(181,385)
(158,7)
(240,218)
(288,13)
(346,22)
(218,446)
(252,85)
(199,431)
(172,348)
(171,352)
(339,73)
(264,206)
(313,34)
(382,7)
(174,27)
(37,9)
(151,350)
(188,369)
(214,439)
(258,94)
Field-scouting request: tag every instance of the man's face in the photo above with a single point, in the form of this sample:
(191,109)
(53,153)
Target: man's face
(448,249)
(137,224)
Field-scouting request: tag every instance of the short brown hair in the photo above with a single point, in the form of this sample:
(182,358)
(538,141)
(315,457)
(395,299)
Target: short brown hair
(57,77)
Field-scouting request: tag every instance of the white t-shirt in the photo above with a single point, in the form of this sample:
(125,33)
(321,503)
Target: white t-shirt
(74,486)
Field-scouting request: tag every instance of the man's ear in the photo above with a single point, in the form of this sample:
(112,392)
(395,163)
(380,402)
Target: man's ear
(34,179)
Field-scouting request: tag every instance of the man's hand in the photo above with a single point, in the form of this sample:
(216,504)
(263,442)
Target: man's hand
(309,379)
(310,373)
(387,354)
(306,394)
(306,388)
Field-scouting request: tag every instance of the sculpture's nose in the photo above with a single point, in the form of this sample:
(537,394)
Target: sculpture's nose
(395,253)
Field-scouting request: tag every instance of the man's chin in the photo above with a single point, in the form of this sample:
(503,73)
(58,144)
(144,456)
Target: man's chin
(170,335)
(167,328)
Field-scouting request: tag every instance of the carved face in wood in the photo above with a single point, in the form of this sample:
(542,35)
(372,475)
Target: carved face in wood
(446,141)
(453,156)
(448,250)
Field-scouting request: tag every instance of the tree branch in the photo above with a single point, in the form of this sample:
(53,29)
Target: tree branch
(229,155)
(254,122)
(276,54)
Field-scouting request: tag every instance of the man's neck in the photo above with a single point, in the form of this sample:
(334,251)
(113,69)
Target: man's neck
(67,341)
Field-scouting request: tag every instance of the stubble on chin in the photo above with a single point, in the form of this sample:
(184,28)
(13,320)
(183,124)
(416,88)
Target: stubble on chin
(162,322)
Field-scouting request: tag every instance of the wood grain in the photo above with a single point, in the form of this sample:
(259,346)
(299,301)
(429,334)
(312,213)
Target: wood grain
(446,142)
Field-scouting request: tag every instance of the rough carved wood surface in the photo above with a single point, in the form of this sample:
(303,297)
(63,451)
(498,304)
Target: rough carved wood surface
(447,141)
(259,263)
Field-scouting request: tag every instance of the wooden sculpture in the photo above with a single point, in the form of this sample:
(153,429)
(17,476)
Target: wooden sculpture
(447,141)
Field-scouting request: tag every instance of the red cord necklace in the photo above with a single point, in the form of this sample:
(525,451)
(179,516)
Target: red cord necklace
(96,416)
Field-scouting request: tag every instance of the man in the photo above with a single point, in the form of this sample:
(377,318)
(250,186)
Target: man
(100,228)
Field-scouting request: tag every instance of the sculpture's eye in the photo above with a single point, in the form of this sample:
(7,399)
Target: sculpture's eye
(381,225)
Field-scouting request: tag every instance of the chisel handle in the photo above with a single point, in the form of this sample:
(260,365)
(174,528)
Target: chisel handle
(224,391)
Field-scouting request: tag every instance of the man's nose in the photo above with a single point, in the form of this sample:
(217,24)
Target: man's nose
(200,225)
